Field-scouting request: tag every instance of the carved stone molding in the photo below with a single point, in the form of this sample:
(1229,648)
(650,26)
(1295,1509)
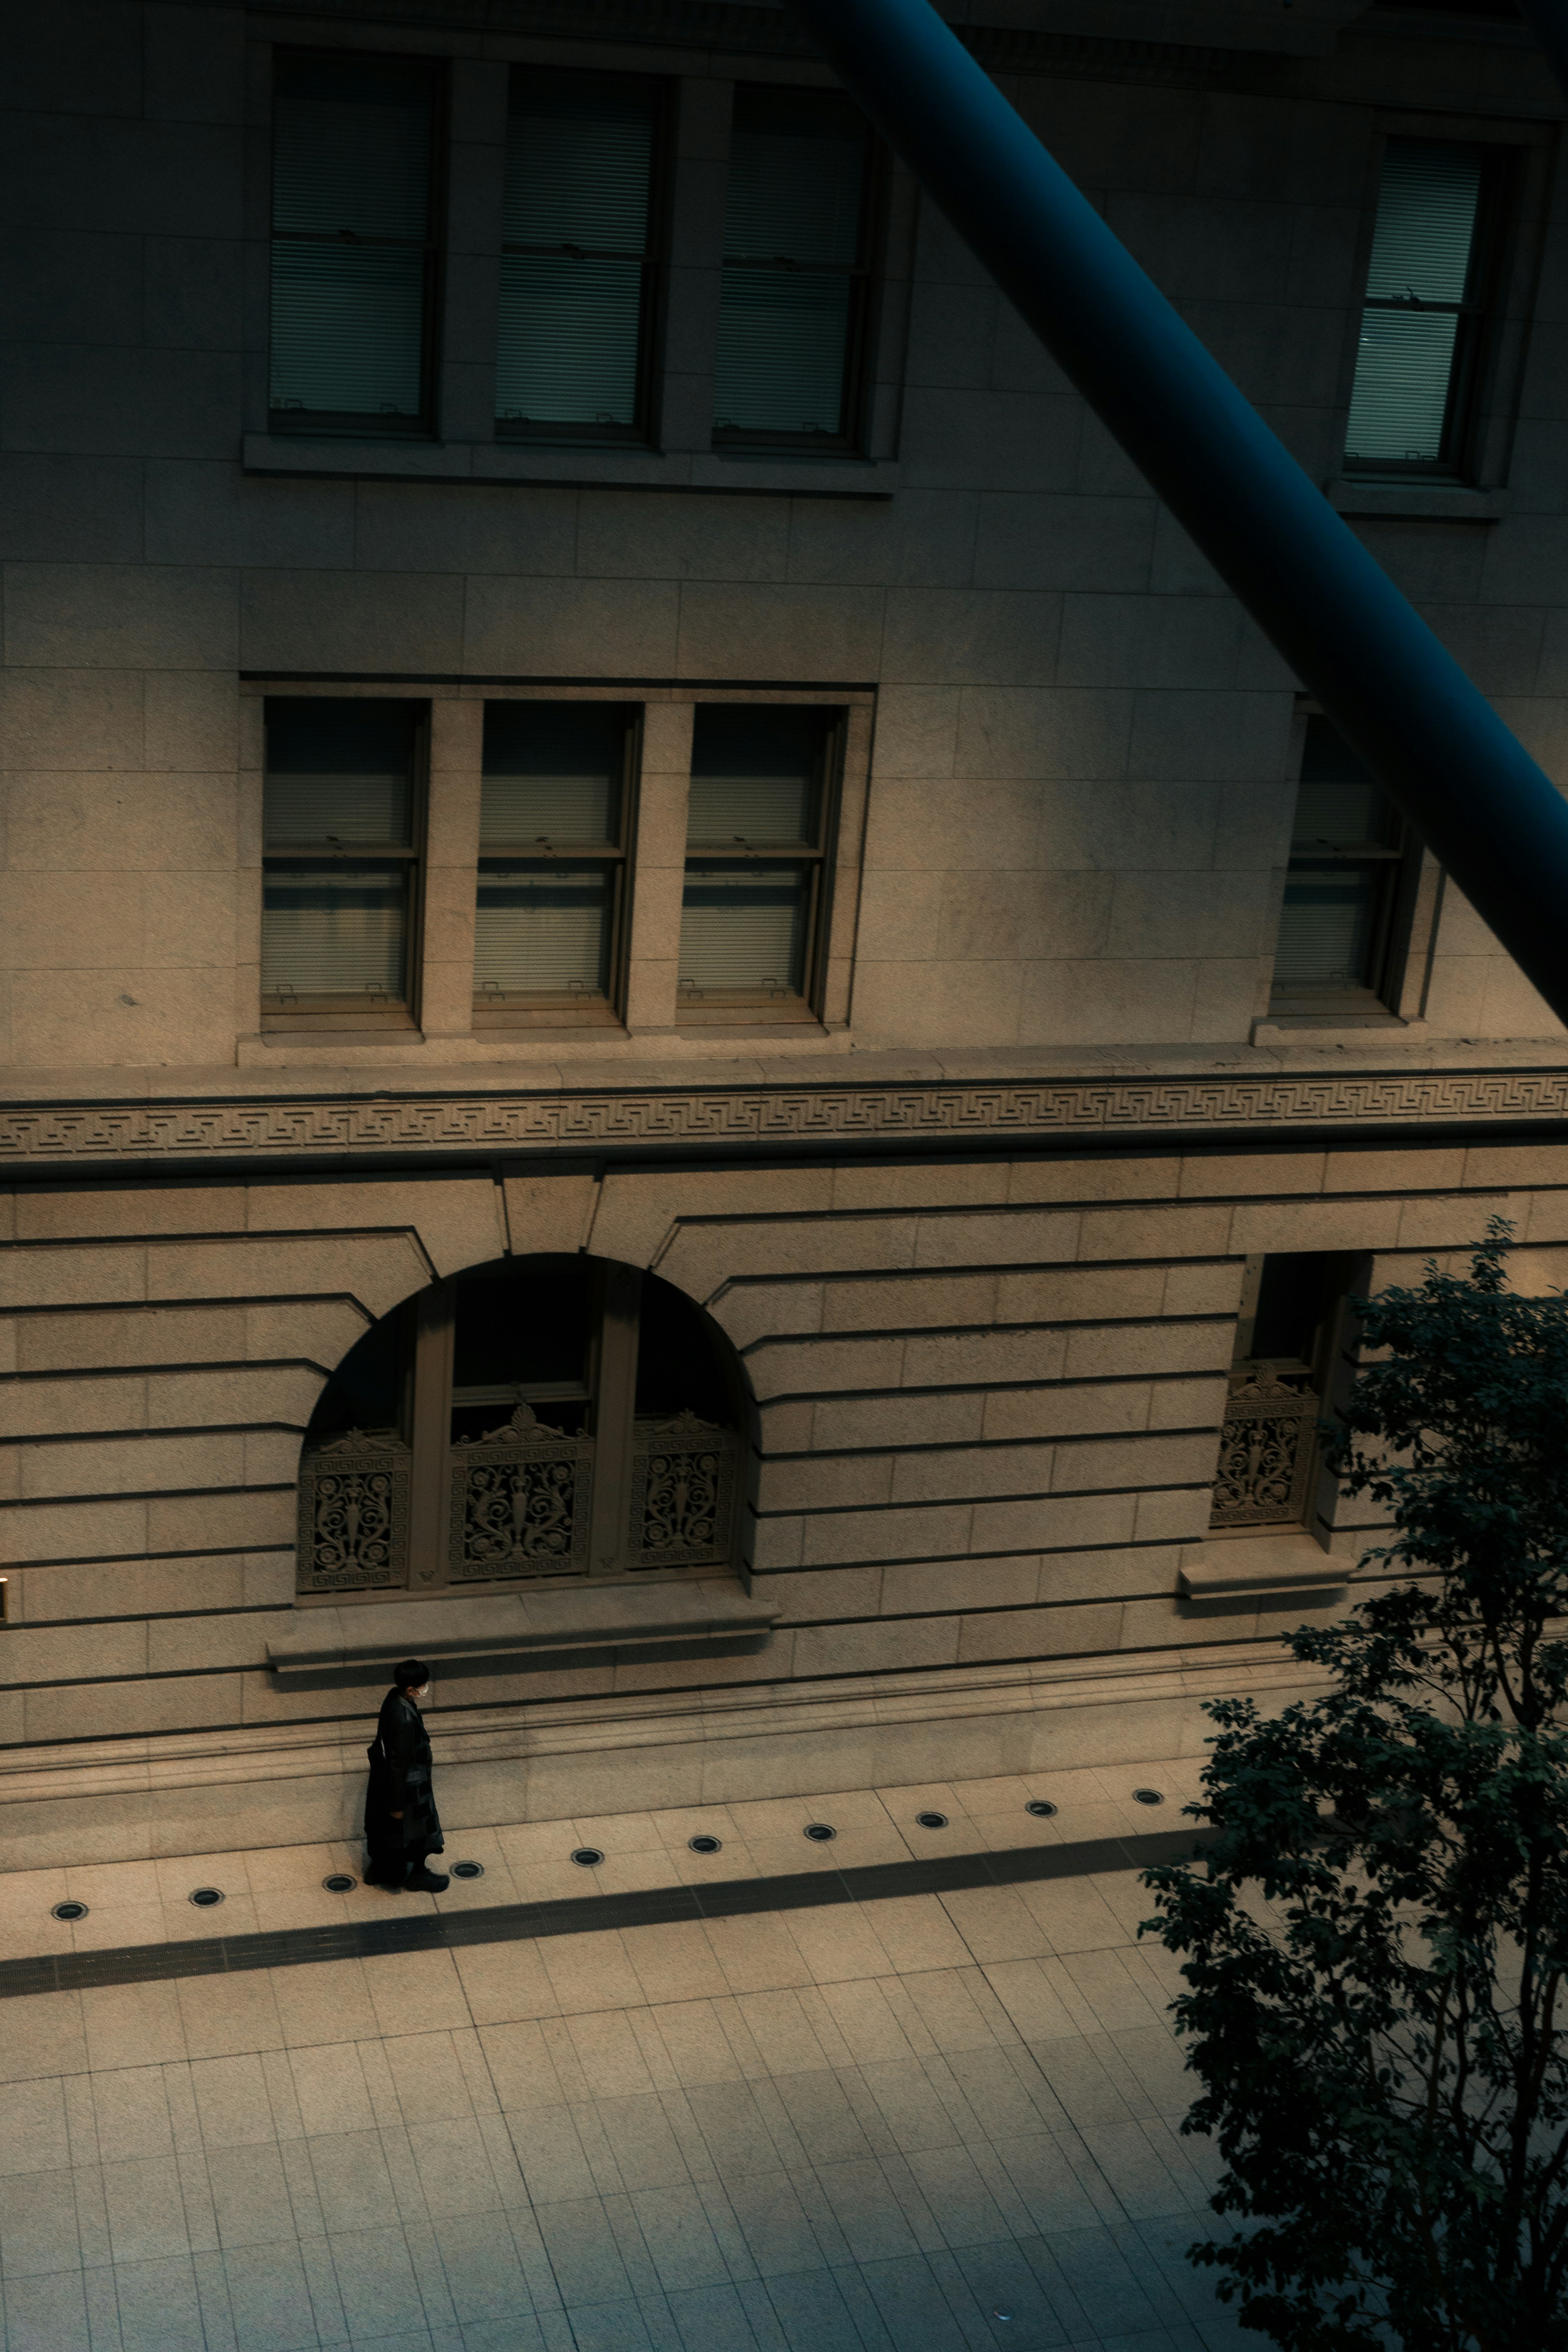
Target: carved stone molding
(686,1117)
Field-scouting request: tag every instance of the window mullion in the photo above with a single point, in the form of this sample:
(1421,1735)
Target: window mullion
(430,1431)
(614,1405)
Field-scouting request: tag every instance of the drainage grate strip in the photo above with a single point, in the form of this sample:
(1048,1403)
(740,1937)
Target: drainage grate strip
(651,1907)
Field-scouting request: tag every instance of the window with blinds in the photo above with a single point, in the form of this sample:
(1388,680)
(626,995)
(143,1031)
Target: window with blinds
(341,865)
(353,241)
(1343,886)
(757,829)
(578,265)
(1418,355)
(552,880)
(795,288)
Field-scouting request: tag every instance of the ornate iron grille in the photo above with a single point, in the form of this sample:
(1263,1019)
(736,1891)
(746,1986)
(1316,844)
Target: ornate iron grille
(1265,1453)
(353,1514)
(684,1477)
(520,1497)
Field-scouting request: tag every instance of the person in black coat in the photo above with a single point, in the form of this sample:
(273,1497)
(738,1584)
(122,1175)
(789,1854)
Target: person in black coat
(402,1827)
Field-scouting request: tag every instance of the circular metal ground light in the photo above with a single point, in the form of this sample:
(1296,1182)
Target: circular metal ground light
(204,1897)
(819,1832)
(68,1911)
(467,1870)
(705,1844)
(336,1882)
(931,1820)
(1148,1797)
(1041,1807)
(588,1856)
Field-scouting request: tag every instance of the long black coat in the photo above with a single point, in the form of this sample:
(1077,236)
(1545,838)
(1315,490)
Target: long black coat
(400,1782)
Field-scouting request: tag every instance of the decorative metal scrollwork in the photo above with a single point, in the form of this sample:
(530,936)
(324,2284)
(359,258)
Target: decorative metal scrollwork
(519,1501)
(353,1514)
(684,1477)
(1265,1453)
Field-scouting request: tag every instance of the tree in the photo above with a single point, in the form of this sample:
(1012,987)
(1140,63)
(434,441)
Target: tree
(1381,2039)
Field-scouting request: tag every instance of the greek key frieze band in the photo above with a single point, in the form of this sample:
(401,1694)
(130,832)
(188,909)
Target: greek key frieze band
(607,1118)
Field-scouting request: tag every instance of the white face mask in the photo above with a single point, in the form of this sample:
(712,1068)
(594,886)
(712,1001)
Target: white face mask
(422,1693)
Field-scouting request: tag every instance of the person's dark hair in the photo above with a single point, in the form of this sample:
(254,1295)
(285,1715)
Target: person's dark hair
(411,1674)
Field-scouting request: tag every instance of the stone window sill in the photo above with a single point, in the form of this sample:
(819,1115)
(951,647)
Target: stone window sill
(492,462)
(1333,1028)
(1254,1568)
(521,1624)
(1428,502)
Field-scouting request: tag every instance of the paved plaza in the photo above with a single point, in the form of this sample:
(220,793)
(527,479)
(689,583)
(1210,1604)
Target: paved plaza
(923,2124)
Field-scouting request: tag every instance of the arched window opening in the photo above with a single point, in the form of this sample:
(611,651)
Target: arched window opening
(545,1418)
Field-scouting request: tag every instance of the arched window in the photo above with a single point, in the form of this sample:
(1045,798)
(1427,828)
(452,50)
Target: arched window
(544,1417)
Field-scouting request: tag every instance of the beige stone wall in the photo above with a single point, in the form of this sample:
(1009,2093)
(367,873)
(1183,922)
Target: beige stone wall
(988,1398)
(1082,777)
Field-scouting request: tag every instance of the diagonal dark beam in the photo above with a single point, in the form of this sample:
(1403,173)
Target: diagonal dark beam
(1488,811)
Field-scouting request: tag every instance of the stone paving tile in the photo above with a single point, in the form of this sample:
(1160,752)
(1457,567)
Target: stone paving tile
(852,2129)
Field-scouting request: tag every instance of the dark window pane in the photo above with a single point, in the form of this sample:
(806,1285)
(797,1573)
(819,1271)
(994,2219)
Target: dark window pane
(351,147)
(744,929)
(347,329)
(783,345)
(797,167)
(338,772)
(544,931)
(579,161)
(571,341)
(1338,804)
(552,772)
(792,237)
(366,1391)
(521,1336)
(1299,1290)
(1403,368)
(1426,206)
(1422,252)
(579,180)
(351,222)
(334,930)
(756,773)
(678,1364)
(1328,929)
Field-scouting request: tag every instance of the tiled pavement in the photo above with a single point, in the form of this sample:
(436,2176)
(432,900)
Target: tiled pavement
(863,2128)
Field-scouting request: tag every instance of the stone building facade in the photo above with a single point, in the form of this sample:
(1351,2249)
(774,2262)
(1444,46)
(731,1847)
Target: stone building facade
(763,1311)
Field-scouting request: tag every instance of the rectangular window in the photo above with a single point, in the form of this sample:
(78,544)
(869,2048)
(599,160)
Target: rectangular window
(1423,325)
(794,302)
(578,265)
(757,828)
(354,241)
(1281,1374)
(552,886)
(341,866)
(1351,853)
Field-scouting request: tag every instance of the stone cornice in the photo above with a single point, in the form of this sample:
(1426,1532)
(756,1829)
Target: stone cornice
(786,1111)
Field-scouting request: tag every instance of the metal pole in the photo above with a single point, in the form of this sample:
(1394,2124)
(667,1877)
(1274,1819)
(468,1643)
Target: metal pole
(1488,811)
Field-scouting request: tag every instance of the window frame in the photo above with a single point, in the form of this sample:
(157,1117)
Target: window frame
(348,423)
(1392,952)
(524,1011)
(700,1009)
(421,1448)
(656,267)
(1480,312)
(1260,1389)
(868,274)
(325,1013)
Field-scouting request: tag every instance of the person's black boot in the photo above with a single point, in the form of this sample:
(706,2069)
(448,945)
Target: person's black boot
(427,1882)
